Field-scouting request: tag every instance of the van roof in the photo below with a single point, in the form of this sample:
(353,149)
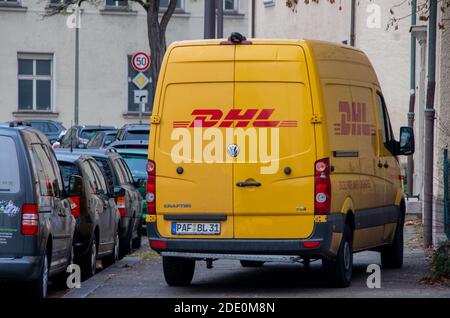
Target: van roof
(322,53)
(307,42)
(69,156)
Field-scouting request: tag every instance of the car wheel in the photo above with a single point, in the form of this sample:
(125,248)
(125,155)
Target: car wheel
(126,244)
(178,271)
(339,270)
(137,242)
(60,280)
(114,257)
(251,264)
(40,285)
(392,255)
(89,263)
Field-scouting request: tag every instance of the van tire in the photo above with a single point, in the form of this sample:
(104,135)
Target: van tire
(88,263)
(178,271)
(60,280)
(137,242)
(339,271)
(126,244)
(392,255)
(252,264)
(114,256)
(39,286)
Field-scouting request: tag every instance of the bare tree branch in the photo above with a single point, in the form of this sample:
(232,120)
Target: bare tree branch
(167,15)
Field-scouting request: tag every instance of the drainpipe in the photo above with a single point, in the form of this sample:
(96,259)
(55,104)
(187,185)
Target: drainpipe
(253,15)
(412,97)
(352,23)
(429,128)
(219,5)
(210,19)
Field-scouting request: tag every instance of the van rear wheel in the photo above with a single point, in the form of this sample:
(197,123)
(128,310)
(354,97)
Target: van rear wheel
(40,285)
(178,271)
(339,270)
(89,263)
(251,264)
(392,255)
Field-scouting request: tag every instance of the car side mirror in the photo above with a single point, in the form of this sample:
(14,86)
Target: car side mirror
(108,142)
(139,183)
(75,186)
(119,192)
(406,146)
(82,146)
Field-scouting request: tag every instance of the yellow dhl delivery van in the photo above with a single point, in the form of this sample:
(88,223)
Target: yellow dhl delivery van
(272,151)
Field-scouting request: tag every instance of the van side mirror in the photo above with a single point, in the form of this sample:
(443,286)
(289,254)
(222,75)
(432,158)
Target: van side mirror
(119,192)
(75,186)
(406,146)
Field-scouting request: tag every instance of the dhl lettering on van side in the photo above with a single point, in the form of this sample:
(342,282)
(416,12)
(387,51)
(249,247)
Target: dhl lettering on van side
(258,118)
(353,120)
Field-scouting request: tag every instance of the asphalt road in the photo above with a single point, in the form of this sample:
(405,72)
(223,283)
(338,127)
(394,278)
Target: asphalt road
(141,276)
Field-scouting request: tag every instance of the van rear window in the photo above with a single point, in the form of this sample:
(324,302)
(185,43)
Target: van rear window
(10,173)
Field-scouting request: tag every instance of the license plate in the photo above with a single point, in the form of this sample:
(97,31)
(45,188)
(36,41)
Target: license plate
(182,228)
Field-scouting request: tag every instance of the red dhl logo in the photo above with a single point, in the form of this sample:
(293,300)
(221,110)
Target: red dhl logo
(353,120)
(259,118)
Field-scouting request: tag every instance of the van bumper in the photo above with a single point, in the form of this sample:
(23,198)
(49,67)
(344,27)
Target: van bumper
(327,234)
(20,269)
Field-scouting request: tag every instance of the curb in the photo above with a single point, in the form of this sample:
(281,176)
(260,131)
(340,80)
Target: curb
(93,283)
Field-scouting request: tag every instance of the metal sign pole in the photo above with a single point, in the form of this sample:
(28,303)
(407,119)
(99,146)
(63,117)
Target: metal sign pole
(141,110)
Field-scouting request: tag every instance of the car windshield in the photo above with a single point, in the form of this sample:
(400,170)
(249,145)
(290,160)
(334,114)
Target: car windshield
(136,135)
(137,165)
(68,169)
(89,133)
(10,177)
(110,138)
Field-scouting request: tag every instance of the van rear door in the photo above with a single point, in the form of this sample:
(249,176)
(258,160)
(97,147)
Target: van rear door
(12,193)
(273,183)
(193,183)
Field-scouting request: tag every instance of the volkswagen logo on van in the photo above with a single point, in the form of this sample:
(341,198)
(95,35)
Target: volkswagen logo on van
(233,150)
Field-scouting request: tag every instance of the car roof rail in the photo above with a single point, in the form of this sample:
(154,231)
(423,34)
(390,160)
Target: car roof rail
(19,123)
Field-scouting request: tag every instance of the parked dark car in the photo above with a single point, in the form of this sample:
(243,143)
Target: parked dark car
(52,129)
(101,140)
(136,160)
(130,144)
(36,223)
(78,135)
(129,204)
(93,204)
(134,132)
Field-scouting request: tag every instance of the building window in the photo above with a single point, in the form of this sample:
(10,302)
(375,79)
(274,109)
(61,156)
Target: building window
(13,3)
(231,6)
(35,82)
(165,3)
(117,3)
(135,76)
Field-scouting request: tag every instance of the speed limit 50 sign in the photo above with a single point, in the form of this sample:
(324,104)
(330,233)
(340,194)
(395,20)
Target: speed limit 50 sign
(140,61)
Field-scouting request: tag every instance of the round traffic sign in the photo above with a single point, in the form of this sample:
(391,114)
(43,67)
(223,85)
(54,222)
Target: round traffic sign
(140,61)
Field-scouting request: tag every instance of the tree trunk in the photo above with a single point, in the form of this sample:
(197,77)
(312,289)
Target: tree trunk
(157,37)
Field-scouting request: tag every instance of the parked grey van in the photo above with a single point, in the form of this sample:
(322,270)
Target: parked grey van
(36,223)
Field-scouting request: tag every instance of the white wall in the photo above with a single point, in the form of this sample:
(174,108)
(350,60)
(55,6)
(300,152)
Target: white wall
(105,41)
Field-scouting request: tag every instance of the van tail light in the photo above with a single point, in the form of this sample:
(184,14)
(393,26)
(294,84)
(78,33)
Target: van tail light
(75,206)
(30,219)
(322,187)
(150,197)
(120,201)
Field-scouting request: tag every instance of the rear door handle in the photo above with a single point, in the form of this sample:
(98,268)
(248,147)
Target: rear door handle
(248,184)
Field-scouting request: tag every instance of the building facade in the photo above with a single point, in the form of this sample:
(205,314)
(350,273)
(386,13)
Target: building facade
(37,54)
